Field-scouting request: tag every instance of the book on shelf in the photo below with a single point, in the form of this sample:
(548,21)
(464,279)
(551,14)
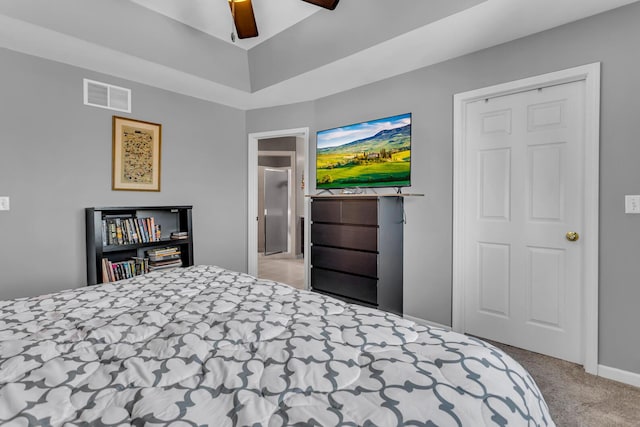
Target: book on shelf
(106,277)
(176,235)
(163,251)
(129,230)
(153,266)
(119,237)
(168,257)
(165,262)
(114,271)
(143,224)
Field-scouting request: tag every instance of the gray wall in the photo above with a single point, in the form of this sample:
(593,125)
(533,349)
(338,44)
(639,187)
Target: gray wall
(610,38)
(55,160)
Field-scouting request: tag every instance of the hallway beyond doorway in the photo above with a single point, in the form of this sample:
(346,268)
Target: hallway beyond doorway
(282,268)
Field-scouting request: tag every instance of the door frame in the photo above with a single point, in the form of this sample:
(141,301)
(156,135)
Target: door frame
(589,73)
(252,194)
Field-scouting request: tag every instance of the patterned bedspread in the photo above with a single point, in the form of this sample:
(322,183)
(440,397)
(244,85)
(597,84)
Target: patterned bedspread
(208,346)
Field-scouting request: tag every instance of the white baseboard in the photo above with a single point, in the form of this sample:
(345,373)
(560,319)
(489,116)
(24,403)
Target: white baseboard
(426,322)
(619,375)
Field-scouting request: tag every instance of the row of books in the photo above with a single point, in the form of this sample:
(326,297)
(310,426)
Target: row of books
(129,230)
(161,258)
(156,259)
(113,271)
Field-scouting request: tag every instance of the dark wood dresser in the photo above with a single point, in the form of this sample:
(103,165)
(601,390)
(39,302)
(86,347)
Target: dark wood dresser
(356,249)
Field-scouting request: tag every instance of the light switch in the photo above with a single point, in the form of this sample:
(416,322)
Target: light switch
(632,204)
(4,203)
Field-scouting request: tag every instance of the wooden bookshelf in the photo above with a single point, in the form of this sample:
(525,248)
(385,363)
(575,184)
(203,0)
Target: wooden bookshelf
(154,228)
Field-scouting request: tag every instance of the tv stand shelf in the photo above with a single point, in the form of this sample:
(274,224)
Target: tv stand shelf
(356,249)
(362,195)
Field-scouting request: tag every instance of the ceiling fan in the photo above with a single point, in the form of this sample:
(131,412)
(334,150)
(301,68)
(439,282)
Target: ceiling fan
(245,21)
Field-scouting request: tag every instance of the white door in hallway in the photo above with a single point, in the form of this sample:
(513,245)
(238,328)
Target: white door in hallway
(524,155)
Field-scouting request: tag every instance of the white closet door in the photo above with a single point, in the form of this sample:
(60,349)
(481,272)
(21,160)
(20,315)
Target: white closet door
(525,158)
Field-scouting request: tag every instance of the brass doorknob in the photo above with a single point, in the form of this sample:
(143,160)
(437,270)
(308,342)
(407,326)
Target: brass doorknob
(572,236)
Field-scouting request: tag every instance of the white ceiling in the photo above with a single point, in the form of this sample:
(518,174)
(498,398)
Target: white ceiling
(487,24)
(214,16)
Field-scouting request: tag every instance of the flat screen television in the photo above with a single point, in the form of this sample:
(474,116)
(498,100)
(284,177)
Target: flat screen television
(370,154)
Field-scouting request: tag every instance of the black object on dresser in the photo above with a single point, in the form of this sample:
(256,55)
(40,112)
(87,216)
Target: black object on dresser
(356,249)
(142,229)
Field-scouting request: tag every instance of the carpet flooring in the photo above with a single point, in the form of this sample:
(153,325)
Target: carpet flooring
(578,399)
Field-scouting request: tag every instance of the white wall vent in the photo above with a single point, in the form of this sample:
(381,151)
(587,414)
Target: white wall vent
(103,95)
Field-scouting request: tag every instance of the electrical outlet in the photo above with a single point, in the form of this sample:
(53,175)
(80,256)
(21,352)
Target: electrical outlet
(632,204)
(4,203)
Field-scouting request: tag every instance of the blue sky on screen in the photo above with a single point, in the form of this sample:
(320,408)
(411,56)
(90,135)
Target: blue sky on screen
(346,134)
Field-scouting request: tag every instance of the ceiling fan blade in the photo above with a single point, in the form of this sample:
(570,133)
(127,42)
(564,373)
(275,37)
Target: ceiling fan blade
(243,18)
(327,4)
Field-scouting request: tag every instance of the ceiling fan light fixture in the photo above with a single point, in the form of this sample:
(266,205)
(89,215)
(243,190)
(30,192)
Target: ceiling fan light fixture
(327,4)
(243,18)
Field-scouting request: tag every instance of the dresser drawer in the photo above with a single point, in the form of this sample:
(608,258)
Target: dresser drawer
(360,211)
(347,285)
(341,211)
(345,236)
(326,210)
(345,260)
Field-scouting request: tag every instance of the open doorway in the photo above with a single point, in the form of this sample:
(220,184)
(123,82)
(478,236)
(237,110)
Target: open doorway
(277,205)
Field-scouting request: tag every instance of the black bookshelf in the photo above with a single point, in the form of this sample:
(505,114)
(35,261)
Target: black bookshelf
(170,219)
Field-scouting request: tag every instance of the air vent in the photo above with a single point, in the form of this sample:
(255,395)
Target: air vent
(103,95)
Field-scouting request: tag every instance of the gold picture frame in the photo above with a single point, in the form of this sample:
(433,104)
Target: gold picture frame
(136,155)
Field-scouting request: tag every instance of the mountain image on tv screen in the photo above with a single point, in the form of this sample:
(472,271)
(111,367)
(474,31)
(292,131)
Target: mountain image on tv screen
(376,153)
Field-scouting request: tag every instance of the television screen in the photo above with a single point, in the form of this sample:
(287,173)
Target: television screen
(376,153)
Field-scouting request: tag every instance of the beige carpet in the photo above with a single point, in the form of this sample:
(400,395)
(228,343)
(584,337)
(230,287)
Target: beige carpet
(576,398)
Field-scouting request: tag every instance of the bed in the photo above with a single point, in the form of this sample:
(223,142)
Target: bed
(207,346)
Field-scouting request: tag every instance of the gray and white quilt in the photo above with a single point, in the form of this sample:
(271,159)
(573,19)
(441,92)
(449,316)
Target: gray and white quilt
(207,346)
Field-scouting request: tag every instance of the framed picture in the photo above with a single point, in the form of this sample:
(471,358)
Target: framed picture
(136,155)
